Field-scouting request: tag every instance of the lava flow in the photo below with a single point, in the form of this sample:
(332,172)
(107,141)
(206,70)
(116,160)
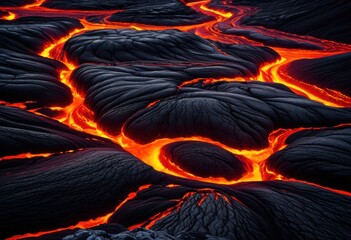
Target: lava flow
(80,117)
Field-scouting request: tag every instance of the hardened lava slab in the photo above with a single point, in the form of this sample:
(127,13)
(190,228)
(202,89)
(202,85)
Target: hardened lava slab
(205,160)
(154,12)
(25,132)
(319,156)
(175,119)
(33,34)
(237,114)
(332,72)
(325,19)
(128,45)
(93,179)
(256,210)
(26,77)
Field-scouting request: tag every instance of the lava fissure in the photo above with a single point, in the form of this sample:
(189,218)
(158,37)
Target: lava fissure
(197,106)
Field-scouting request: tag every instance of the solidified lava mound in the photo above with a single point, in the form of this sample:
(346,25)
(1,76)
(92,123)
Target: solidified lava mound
(322,19)
(204,160)
(178,119)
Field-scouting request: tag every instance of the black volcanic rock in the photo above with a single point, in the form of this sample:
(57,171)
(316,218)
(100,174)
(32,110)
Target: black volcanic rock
(332,72)
(238,114)
(255,210)
(266,210)
(102,4)
(26,77)
(117,92)
(23,132)
(33,34)
(89,5)
(326,19)
(170,46)
(148,203)
(319,156)
(138,234)
(60,191)
(205,160)
(161,12)
(151,104)
(269,40)
(150,85)
(112,228)
(15,3)
(155,12)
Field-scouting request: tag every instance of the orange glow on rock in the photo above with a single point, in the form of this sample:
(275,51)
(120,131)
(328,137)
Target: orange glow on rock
(9,17)
(36,4)
(151,154)
(21,105)
(224,15)
(85,224)
(25,155)
(276,72)
(79,117)
(33,155)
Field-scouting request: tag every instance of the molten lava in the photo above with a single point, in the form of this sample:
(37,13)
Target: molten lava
(79,117)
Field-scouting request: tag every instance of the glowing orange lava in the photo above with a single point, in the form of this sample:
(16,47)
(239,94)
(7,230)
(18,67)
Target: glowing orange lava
(85,224)
(79,117)
(9,17)
(151,154)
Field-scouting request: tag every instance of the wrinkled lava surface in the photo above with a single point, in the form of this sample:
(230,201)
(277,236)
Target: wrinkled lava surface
(175,119)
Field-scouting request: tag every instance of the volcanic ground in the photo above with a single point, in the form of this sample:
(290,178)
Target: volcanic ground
(175,119)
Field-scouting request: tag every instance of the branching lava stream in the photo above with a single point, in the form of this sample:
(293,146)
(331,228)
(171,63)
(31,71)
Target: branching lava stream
(79,117)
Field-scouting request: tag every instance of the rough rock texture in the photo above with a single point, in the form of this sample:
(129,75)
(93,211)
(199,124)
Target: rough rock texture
(103,4)
(170,46)
(269,40)
(332,72)
(164,12)
(155,12)
(94,181)
(327,19)
(115,93)
(23,132)
(237,114)
(148,85)
(31,34)
(256,210)
(111,228)
(204,160)
(267,210)
(122,95)
(138,234)
(319,156)
(27,77)
(89,5)
(148,203)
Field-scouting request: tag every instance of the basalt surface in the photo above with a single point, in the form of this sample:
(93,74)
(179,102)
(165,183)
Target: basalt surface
(213,120)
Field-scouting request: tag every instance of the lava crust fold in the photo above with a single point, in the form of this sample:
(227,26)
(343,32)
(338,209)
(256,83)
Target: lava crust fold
(32,34)
(34,79)
(94,181)
(204,160)
(332,72)
(327,19)
(238,114)
(25,132)
(319,156)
